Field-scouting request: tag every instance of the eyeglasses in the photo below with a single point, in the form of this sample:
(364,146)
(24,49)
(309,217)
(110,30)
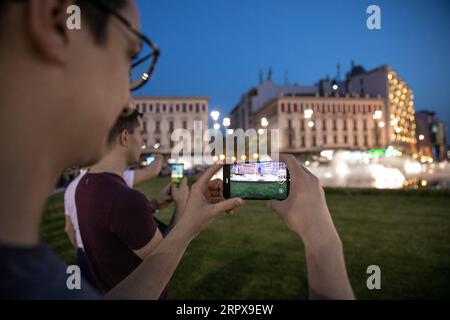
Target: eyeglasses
(144,63)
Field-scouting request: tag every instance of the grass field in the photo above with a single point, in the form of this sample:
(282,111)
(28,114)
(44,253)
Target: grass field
(252,255)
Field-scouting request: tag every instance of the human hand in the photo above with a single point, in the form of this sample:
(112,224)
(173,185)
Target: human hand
(305,210)
(201,209)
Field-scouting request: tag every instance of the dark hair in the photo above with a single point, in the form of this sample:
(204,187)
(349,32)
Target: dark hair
(96,18)
(127,122)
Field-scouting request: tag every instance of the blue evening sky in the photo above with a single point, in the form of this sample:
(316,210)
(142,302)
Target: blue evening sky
(216,48)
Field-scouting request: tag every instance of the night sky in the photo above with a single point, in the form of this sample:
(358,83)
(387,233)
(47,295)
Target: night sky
(216,48)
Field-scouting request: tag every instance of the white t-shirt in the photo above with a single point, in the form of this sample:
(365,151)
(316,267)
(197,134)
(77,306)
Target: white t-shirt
(69,201)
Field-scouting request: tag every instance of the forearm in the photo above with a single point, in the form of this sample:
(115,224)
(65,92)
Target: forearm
(173,221)
(150,278)
(327,275)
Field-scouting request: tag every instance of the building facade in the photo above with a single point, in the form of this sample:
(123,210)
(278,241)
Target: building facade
(314,123)
(398,96)
(430,136)
(241,115)
(163,114)
(396,122)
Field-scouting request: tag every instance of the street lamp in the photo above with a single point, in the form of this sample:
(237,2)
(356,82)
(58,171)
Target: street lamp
(216,126)
(264,122)
(377,116)
(215,115)
(226,122)
(308,113)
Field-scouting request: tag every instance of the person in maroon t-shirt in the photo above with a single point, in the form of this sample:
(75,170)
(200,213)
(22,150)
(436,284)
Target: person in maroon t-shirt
(116,222)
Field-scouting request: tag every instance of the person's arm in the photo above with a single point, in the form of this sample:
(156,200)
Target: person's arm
(149,172)
(180,195)
(149,247)
(149,279)
(70,231)
(162,199)
(305,212)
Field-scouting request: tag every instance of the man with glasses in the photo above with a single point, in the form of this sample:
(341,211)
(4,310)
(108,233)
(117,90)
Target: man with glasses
(61,91)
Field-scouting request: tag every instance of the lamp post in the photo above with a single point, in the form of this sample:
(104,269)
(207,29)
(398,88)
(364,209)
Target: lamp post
(377,116)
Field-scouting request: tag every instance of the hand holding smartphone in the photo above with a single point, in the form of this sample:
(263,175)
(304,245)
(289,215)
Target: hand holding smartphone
(256,180)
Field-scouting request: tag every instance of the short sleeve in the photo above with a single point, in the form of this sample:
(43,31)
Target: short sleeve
(131,219)
(128,176)
(69,199)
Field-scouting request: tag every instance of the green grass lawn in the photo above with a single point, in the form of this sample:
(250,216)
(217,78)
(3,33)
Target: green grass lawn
(252,255)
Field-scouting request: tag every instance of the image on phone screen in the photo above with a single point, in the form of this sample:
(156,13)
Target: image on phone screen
(149,159)
(256,180)
(177,173)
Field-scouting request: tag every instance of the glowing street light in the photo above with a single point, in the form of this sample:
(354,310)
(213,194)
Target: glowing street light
(226,122)
(378,115)
(421,137)
(311,124)
(308,113)
(230,131)
(215,115)
(264,122)
(216,126)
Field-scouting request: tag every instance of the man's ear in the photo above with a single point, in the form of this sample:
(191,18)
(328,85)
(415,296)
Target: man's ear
(124,138)
(47,28)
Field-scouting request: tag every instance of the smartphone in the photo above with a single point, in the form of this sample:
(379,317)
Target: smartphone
(149,159)
(177,173)
(256,180)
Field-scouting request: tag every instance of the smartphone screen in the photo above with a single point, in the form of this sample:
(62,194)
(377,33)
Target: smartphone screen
(256,180)
(177,173)
(149,159)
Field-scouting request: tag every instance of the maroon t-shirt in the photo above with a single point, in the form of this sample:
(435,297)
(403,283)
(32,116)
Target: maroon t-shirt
(114,220)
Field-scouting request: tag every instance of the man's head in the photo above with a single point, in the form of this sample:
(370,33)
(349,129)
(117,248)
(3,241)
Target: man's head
(67,87)
(125,138)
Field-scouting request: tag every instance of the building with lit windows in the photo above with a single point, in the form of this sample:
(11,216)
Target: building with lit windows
(395,123)
(430,133)
(315,123)
(241,115)
(384,81)
(163,114)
